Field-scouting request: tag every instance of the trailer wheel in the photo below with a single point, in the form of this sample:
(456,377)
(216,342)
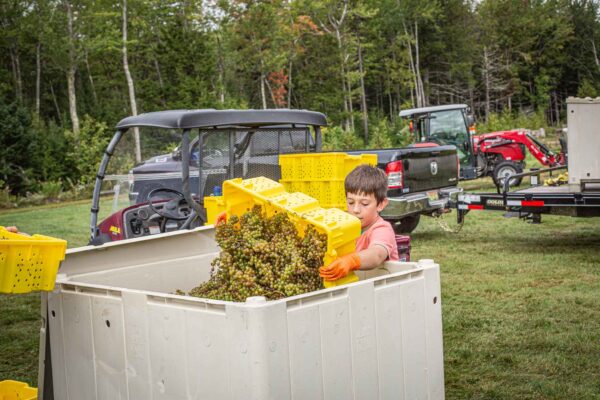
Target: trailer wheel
(406,224)
(504,170)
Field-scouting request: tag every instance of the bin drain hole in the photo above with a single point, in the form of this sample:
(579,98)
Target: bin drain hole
(108,323)
(435,300)
(53,314)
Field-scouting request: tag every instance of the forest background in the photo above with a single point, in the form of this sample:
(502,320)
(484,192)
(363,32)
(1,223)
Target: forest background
(72,69)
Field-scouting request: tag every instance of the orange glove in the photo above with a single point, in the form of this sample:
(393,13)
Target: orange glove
(221,218)
(340,267)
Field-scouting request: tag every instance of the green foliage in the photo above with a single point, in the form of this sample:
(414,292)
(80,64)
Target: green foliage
(52,147)
(587,89)
(51,190)
(6,200)
(17,143)
(336,138)
(494,55)
(379,135)
(87,149)
(505,121)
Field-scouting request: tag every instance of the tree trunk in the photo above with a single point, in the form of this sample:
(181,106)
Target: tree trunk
(16,67)
(290,85)
(486,80)
(221,72)
(38,77)
(160,82)
(389,93)
(363,94)
(595,54)
(271,93)
(130,85)
(418,68)
(343,80)
(91,78)
(263,95)
(397,87)
(556,108)
(55,101)
(411,65)
(71,73)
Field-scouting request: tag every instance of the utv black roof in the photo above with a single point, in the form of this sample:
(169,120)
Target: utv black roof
(188,119)
(424,110)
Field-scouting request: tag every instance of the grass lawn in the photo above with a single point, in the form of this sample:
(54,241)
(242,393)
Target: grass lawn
(521,302)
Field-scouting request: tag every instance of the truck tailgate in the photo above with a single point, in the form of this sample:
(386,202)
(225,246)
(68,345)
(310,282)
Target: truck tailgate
(425,168)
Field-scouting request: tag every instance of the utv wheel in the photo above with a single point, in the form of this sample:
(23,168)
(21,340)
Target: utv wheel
(504,170)
(406,224)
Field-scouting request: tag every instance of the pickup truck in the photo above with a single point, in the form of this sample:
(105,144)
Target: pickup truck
(422,179)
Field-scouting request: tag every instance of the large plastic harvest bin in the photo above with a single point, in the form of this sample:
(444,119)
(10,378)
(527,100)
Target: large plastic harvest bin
(118,332)
(28,263)
(321,175)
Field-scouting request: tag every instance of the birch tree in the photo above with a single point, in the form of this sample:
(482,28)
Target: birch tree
(72,67)
(130,85)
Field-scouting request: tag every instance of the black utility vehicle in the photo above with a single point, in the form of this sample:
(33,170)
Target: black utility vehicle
(167,194)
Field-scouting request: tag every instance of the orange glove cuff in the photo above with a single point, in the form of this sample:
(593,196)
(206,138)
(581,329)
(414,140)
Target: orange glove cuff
(355,260)
(221,217)
(340,267)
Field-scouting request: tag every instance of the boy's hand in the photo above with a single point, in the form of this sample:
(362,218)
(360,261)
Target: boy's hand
(221,218)
(340,267)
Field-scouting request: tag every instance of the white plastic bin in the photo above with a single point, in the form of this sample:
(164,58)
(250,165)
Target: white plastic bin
(117,332)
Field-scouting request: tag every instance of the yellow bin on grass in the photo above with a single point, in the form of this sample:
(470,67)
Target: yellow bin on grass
(14,390)
(29,263)
(341,228)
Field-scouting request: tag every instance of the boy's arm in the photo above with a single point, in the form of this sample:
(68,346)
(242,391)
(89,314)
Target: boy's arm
(382,240)
(373,256)
(364,259)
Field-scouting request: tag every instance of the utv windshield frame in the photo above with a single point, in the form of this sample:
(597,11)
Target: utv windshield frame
(207,121)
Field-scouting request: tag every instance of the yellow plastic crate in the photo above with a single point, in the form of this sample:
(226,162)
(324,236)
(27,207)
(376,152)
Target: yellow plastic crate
(29,263)
(14,390)
(341,228)
(321,175)
(214,206)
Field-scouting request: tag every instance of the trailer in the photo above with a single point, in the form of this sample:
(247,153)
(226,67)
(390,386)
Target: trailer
(579,196)
(530,203)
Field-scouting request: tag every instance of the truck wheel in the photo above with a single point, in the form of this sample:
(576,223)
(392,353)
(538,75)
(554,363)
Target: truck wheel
(406,224)
(504,170)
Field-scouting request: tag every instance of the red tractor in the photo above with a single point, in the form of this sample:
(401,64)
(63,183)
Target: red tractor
(497,154)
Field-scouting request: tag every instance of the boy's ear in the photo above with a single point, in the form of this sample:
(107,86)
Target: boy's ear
(382,204)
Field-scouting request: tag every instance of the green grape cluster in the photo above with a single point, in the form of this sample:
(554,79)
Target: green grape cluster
(264,256)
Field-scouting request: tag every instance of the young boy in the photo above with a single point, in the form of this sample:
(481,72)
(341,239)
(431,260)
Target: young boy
(366,196)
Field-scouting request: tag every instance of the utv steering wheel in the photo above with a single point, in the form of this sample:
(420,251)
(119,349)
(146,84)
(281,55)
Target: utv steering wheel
(170,209)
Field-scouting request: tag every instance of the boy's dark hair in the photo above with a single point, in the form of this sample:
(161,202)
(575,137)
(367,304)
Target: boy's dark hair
(367,179)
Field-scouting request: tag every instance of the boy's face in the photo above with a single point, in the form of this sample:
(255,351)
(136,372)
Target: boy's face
(364,207)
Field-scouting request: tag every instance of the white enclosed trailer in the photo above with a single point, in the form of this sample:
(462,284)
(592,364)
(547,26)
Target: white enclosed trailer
(114,329)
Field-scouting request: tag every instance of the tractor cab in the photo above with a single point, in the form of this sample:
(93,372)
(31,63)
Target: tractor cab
(445,125)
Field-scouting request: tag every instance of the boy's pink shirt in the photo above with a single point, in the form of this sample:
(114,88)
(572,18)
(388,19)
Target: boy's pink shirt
(381,233)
